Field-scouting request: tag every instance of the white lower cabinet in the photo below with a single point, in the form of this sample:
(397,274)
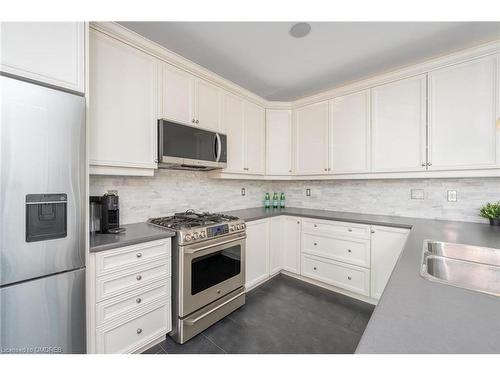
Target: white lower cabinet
(343,275)
(386,244)
(257,252)
(129,297)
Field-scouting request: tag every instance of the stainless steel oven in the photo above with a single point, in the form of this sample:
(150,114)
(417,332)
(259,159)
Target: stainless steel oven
(210,270)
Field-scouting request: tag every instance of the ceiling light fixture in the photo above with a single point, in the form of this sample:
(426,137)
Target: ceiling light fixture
(300,30)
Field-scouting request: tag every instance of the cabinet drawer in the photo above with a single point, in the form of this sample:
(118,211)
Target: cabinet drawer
(131,279)
(120,306)
(130,335)
(336,228)
(130,256)
(355,279)
(349,250)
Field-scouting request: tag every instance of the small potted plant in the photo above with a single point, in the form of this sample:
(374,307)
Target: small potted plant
(491,211)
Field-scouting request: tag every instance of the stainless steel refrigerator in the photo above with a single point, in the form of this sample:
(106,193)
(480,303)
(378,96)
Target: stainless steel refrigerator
(42,197)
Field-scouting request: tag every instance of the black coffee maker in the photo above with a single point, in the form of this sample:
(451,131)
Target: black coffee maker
(109,218)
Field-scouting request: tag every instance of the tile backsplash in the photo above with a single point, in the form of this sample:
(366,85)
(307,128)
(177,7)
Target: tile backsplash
(172,191)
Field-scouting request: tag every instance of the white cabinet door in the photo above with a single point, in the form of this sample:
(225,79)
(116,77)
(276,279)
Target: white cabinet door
(350,133)
(386,244)
(311,139)
(279,141)
(177,94)
(275,253)
(257,252)
(123,98)
(399,126)
(232,126)
(255,138)
(49,52)
(463,110)
(207,105)
(290,243)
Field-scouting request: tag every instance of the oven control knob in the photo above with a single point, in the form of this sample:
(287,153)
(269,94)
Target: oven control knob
(187,238)
(238,226)
(232,228)
(195,235)
(243,226)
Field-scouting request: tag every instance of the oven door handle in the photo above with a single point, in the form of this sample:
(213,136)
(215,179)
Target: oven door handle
(191,322)
(214,245)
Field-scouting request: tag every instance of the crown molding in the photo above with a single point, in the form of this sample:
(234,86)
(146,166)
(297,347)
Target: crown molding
(426,66)
(135,40)
(130,37)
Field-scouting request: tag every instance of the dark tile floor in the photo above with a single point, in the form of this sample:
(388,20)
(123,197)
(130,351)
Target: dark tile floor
(283,315)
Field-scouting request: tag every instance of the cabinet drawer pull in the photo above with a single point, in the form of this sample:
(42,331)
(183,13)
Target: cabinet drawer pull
(315,226)
(349,230)
(139,331)
(314,268)
(139,277)
(138,300)
(348,277)
(138,255)
(315,244)
(349,250)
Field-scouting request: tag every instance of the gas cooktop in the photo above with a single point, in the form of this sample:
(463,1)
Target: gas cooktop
(191,219)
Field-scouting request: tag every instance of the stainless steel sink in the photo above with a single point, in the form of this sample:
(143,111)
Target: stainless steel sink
(470,253)
(470,267)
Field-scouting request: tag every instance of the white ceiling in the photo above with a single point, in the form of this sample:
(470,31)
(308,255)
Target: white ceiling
(263,58)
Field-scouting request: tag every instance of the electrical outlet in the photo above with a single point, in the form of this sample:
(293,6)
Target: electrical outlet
(308,192)
(452,195)
(417,194)
(243,191)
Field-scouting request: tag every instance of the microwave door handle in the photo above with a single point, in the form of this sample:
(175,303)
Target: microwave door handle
(160,141)
(218,147)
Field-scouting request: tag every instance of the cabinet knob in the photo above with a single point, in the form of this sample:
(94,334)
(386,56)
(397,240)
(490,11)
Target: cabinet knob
(298,222)
(138,300)
(193,121)
(348,277)
(424,164)
(197,121)
(139,331)
(139,277)
(138,255)
(245,169)
(349,250)
(290,170)
(326,169)
(315,226)
(315,244)
(429,164)
(349,230)
(314,268)
(373,231)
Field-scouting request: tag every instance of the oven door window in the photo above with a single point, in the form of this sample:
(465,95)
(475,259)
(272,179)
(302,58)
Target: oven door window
(214,268)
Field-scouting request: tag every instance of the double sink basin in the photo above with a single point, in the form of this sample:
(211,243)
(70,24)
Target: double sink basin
(469,267)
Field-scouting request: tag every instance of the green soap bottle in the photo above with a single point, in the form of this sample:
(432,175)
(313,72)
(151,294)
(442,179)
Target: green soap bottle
(282,200)
(275,200)
(267,201)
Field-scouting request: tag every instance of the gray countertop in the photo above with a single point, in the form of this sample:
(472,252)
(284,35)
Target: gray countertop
(134,234)
(415,315)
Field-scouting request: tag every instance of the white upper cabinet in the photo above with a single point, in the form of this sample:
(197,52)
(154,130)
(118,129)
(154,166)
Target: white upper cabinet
(208,105)
(177,94)
(49,52)
(463,110)
(399,126)
(279,142)
(311,139)
(123,99)
(350,133)
(232,126)
(255,138)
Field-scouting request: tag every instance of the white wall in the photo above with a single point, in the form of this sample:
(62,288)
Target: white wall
(173,191)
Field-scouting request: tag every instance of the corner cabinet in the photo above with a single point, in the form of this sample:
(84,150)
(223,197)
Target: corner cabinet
(48,52)
(254,119)
(279,142)
(311,139)
(122,108)
(463,111)
(398,111)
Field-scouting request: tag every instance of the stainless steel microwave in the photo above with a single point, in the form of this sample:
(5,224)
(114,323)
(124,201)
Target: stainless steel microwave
(186,147)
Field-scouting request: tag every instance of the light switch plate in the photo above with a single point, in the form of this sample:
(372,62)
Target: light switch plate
(452,195)
(417,194)
(308,192)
